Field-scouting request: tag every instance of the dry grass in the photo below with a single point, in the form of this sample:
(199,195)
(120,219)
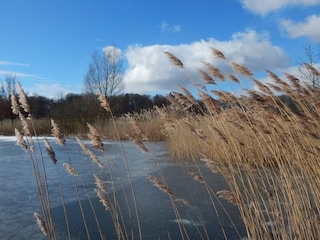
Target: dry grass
(267,152)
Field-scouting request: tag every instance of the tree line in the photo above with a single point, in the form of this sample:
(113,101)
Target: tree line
(82,108)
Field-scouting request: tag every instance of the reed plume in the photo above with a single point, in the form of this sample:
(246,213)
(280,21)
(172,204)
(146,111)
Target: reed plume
(241,69)
(214,71)
(218,53)
(25,125)
(206,77)
(50,151)
(100,184)
(20,141)
(57,133)
(104,102)
(102,199)
(22,98)
(70,169)
(41,223)
(161,186)
(227,195)
(95,137)
(312,69)
(174,60)
(14,104)
(233,78)
(89,153)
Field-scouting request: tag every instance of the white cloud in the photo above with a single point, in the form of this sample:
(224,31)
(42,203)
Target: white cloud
(6,63)
(263,7)
(49,90)
(17,74)
(149,69)
(164,26)
(113,53)
(309,28)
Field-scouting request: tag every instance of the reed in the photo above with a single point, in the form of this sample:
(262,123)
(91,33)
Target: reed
(266,150)
(264,146)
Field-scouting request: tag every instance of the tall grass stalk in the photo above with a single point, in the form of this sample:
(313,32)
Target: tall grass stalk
(267,151)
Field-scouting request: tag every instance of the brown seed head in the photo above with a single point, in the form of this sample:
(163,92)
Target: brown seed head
(241,69)
(41,223)
(101,185)
(14,104)
(214,71)
(104,102)
(227,195)
(25,125)
(103,199)
(233,78)
(20,140)
(22,98)
(50,151)
(162,187)
(89,153)
(218,53)
(312,69)
(174,60)
(70,169)
(206,77)
(55,130)
(95,138)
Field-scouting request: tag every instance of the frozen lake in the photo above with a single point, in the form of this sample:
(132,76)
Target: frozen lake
(19,199)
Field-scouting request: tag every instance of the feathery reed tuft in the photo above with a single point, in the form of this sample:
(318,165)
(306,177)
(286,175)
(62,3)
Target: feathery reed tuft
(241,69)
(41,223)
(218,53)
(196,176)
(14,104)
(161,186)
(55,130)
(95,137)
(312,69)
(214,71)
(233,78)
(22,98)
(206,77)
(89,153)
(100,183)
(102,199)
(227,195)
(50,151)
(25,125)
(104,102)
(70,169)
(20,140)
(174,60)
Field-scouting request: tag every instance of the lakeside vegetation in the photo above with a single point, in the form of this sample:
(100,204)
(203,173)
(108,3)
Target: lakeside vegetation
(265,146)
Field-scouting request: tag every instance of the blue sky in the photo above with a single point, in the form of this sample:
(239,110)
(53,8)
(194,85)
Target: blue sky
(48,44)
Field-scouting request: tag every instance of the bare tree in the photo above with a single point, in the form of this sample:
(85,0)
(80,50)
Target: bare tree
(311,61)
(8,86)
(104,74)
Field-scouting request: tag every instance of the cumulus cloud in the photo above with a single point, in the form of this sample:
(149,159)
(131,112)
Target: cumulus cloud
(263,7)
(112,53)
(150,71)
(308,28)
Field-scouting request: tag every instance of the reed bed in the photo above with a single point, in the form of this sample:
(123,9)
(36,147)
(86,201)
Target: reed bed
(265,149)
